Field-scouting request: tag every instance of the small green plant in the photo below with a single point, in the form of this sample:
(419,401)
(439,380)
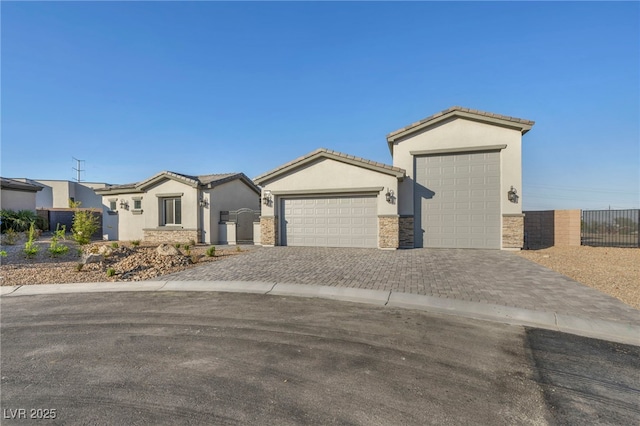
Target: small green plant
(55,248)
(187,249)
(30,249)
(211,251)
(10,237)
(238,248)
(85,224)
(177,245)
(114,245)
(3,253)
(135,243)
(192,242)
(111,272)
(79,267)
(79,252)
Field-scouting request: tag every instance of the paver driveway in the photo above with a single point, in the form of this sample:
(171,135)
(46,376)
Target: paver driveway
(486,276)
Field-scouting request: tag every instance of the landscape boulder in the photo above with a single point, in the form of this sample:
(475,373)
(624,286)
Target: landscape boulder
(92,258)
(167,250)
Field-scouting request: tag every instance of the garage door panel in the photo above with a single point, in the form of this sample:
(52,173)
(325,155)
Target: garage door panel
(464,211)
(339,221)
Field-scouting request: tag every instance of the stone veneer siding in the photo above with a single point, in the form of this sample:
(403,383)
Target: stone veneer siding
(512,231)
(406,232)
(268,230)
(388,231)
(171,235)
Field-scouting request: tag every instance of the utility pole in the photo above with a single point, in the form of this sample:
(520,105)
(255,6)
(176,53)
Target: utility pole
(78,169)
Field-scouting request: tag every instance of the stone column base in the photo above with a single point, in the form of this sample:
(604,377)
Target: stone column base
(388,232)
(512,231)
(268,230)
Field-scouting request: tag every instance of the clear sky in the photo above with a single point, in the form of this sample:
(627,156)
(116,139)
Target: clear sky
(134,88)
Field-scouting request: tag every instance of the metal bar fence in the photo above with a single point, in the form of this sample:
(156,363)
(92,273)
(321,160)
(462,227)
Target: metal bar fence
(611,228)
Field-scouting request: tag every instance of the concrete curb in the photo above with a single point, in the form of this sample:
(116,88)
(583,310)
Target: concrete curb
(596,328)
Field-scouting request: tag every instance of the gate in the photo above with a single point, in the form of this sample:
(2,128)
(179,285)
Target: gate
(244,219)
(611,228)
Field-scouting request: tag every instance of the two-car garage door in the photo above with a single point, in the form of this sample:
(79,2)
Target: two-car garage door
(331,221)
(457,197)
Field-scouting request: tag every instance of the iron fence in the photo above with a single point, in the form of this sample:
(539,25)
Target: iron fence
(610,228)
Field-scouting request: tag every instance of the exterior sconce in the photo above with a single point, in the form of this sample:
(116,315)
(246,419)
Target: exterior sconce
(203,202)
(124,204)
(512,195)
(267,198)
(389,196)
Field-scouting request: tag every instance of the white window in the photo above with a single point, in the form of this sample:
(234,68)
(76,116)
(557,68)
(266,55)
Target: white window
(112,205)
(171,211)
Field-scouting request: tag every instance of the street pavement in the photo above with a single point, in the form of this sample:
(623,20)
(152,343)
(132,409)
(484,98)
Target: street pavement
(172,357)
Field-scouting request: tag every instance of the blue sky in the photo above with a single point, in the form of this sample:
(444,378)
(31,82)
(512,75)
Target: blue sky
(208,87)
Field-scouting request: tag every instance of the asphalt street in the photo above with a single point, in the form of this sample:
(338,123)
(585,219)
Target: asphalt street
(225,358)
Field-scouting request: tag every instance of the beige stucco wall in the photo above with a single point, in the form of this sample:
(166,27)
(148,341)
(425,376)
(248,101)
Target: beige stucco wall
(325,175)
(56,194)
(462,133)
(17,200)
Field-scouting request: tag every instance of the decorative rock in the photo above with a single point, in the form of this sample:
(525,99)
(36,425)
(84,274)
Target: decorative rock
(167,250)
(92,258)
(105,250)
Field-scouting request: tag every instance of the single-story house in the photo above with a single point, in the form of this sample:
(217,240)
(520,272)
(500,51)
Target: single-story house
(453,183)
(174,207)
(17,195)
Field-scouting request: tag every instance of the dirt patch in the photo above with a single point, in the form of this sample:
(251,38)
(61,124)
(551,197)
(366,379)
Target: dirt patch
(128,262)
(614,271)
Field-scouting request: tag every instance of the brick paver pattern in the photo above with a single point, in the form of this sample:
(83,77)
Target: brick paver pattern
(485,276)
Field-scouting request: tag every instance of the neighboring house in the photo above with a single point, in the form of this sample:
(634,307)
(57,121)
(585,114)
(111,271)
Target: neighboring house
(58,193)
(173,207)
(17,195)
(454,183)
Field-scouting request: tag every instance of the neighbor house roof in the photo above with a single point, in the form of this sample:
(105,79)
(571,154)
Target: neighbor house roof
(200,181)
(17,185)
(520,124)
(333,155)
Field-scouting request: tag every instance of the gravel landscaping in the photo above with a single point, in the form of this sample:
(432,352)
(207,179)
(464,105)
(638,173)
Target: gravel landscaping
(127,262)
(612,270)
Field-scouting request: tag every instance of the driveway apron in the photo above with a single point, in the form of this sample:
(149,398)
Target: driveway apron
(484,276)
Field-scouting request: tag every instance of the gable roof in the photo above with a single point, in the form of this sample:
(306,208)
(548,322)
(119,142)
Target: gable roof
(333,155)
(201,181)
(16,185)
(520,124)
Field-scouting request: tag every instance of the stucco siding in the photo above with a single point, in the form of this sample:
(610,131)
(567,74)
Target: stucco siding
(17,200)
(325,175)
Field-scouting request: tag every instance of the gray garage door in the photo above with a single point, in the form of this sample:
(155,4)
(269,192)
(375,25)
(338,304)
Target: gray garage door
(330,222)
(458,200)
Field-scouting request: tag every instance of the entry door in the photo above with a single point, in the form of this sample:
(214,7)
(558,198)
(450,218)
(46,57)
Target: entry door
(331,221)
(458,200)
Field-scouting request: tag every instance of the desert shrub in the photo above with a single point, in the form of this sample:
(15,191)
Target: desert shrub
(238,248)
(211,251)
(177,245)
(135,243)
(55,248)
(79,267)
(30,249)
(85,224)
(114,245)
(187,249)
(18,221)
(10,237)
(111,272)
(3,253)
